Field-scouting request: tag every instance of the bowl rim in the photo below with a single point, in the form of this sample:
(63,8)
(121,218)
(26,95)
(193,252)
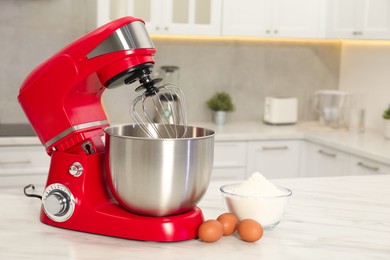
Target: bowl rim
(287,191)
(107,130)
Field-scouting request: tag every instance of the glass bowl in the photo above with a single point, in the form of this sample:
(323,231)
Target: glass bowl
(268,211)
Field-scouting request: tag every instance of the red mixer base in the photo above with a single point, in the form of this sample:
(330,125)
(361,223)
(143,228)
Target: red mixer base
(111,220)
(96,212)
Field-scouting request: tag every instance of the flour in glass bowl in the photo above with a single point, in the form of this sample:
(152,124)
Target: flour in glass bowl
(258,186)
(258,199)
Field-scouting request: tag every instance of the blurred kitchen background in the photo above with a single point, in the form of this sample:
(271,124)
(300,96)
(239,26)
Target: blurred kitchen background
(248,68)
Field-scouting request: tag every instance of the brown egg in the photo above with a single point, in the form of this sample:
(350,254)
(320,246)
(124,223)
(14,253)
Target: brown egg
(229,222)
(250,230)
(210,231)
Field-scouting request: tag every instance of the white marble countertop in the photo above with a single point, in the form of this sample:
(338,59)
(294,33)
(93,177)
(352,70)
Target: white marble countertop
(327,218)
(370,144)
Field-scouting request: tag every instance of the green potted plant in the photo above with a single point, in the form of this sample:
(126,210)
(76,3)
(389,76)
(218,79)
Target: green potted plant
(220,103)
(386,117)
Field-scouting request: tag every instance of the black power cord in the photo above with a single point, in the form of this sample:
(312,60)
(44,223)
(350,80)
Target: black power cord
(31,194)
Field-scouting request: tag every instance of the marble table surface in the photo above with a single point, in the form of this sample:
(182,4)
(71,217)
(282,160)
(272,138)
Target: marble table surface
(327,218)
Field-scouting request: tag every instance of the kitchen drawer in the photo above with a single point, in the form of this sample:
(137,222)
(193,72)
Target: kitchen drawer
(362,166)
(22,164)
(229,160)
(321,160)
(229,174)
(274,159)
(229,154)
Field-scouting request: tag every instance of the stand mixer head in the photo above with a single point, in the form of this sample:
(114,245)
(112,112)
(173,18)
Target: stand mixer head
(62,97)
(62,100)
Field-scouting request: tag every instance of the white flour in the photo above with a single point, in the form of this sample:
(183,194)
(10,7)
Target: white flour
(257,185)
(262,208)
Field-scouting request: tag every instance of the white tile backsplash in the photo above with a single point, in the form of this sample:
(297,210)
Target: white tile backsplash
(250,71)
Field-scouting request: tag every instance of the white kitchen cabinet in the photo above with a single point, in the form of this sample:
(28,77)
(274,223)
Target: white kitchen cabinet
(274,159)
(229,160)
(180,17)
(148,10)
(320,160)
(246,18)
(363,166)
(270,18)
(22,165)
(358,19)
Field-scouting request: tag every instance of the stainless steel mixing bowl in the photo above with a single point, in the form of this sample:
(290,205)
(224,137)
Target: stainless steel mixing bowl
(158,177)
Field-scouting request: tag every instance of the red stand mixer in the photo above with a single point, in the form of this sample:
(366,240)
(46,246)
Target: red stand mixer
(62,100)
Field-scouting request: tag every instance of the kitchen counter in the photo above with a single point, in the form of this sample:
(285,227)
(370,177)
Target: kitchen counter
(370,144)
(327,218)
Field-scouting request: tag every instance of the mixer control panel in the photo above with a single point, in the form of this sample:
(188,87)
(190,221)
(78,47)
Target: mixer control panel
(58,202)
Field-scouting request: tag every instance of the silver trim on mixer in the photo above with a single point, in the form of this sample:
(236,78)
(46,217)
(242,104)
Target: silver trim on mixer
(75,128)
(128,37)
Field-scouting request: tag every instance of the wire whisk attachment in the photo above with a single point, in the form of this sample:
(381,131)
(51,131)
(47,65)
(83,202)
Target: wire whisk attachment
(164,105)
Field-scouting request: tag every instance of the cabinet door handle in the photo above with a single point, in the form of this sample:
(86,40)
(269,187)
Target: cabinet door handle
(369,167)
(10,162)
(333,155)
(267,148)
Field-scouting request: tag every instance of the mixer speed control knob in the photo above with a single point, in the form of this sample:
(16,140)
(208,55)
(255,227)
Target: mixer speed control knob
(58,202)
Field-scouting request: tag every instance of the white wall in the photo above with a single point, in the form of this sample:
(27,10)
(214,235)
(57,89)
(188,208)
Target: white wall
(365,73)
